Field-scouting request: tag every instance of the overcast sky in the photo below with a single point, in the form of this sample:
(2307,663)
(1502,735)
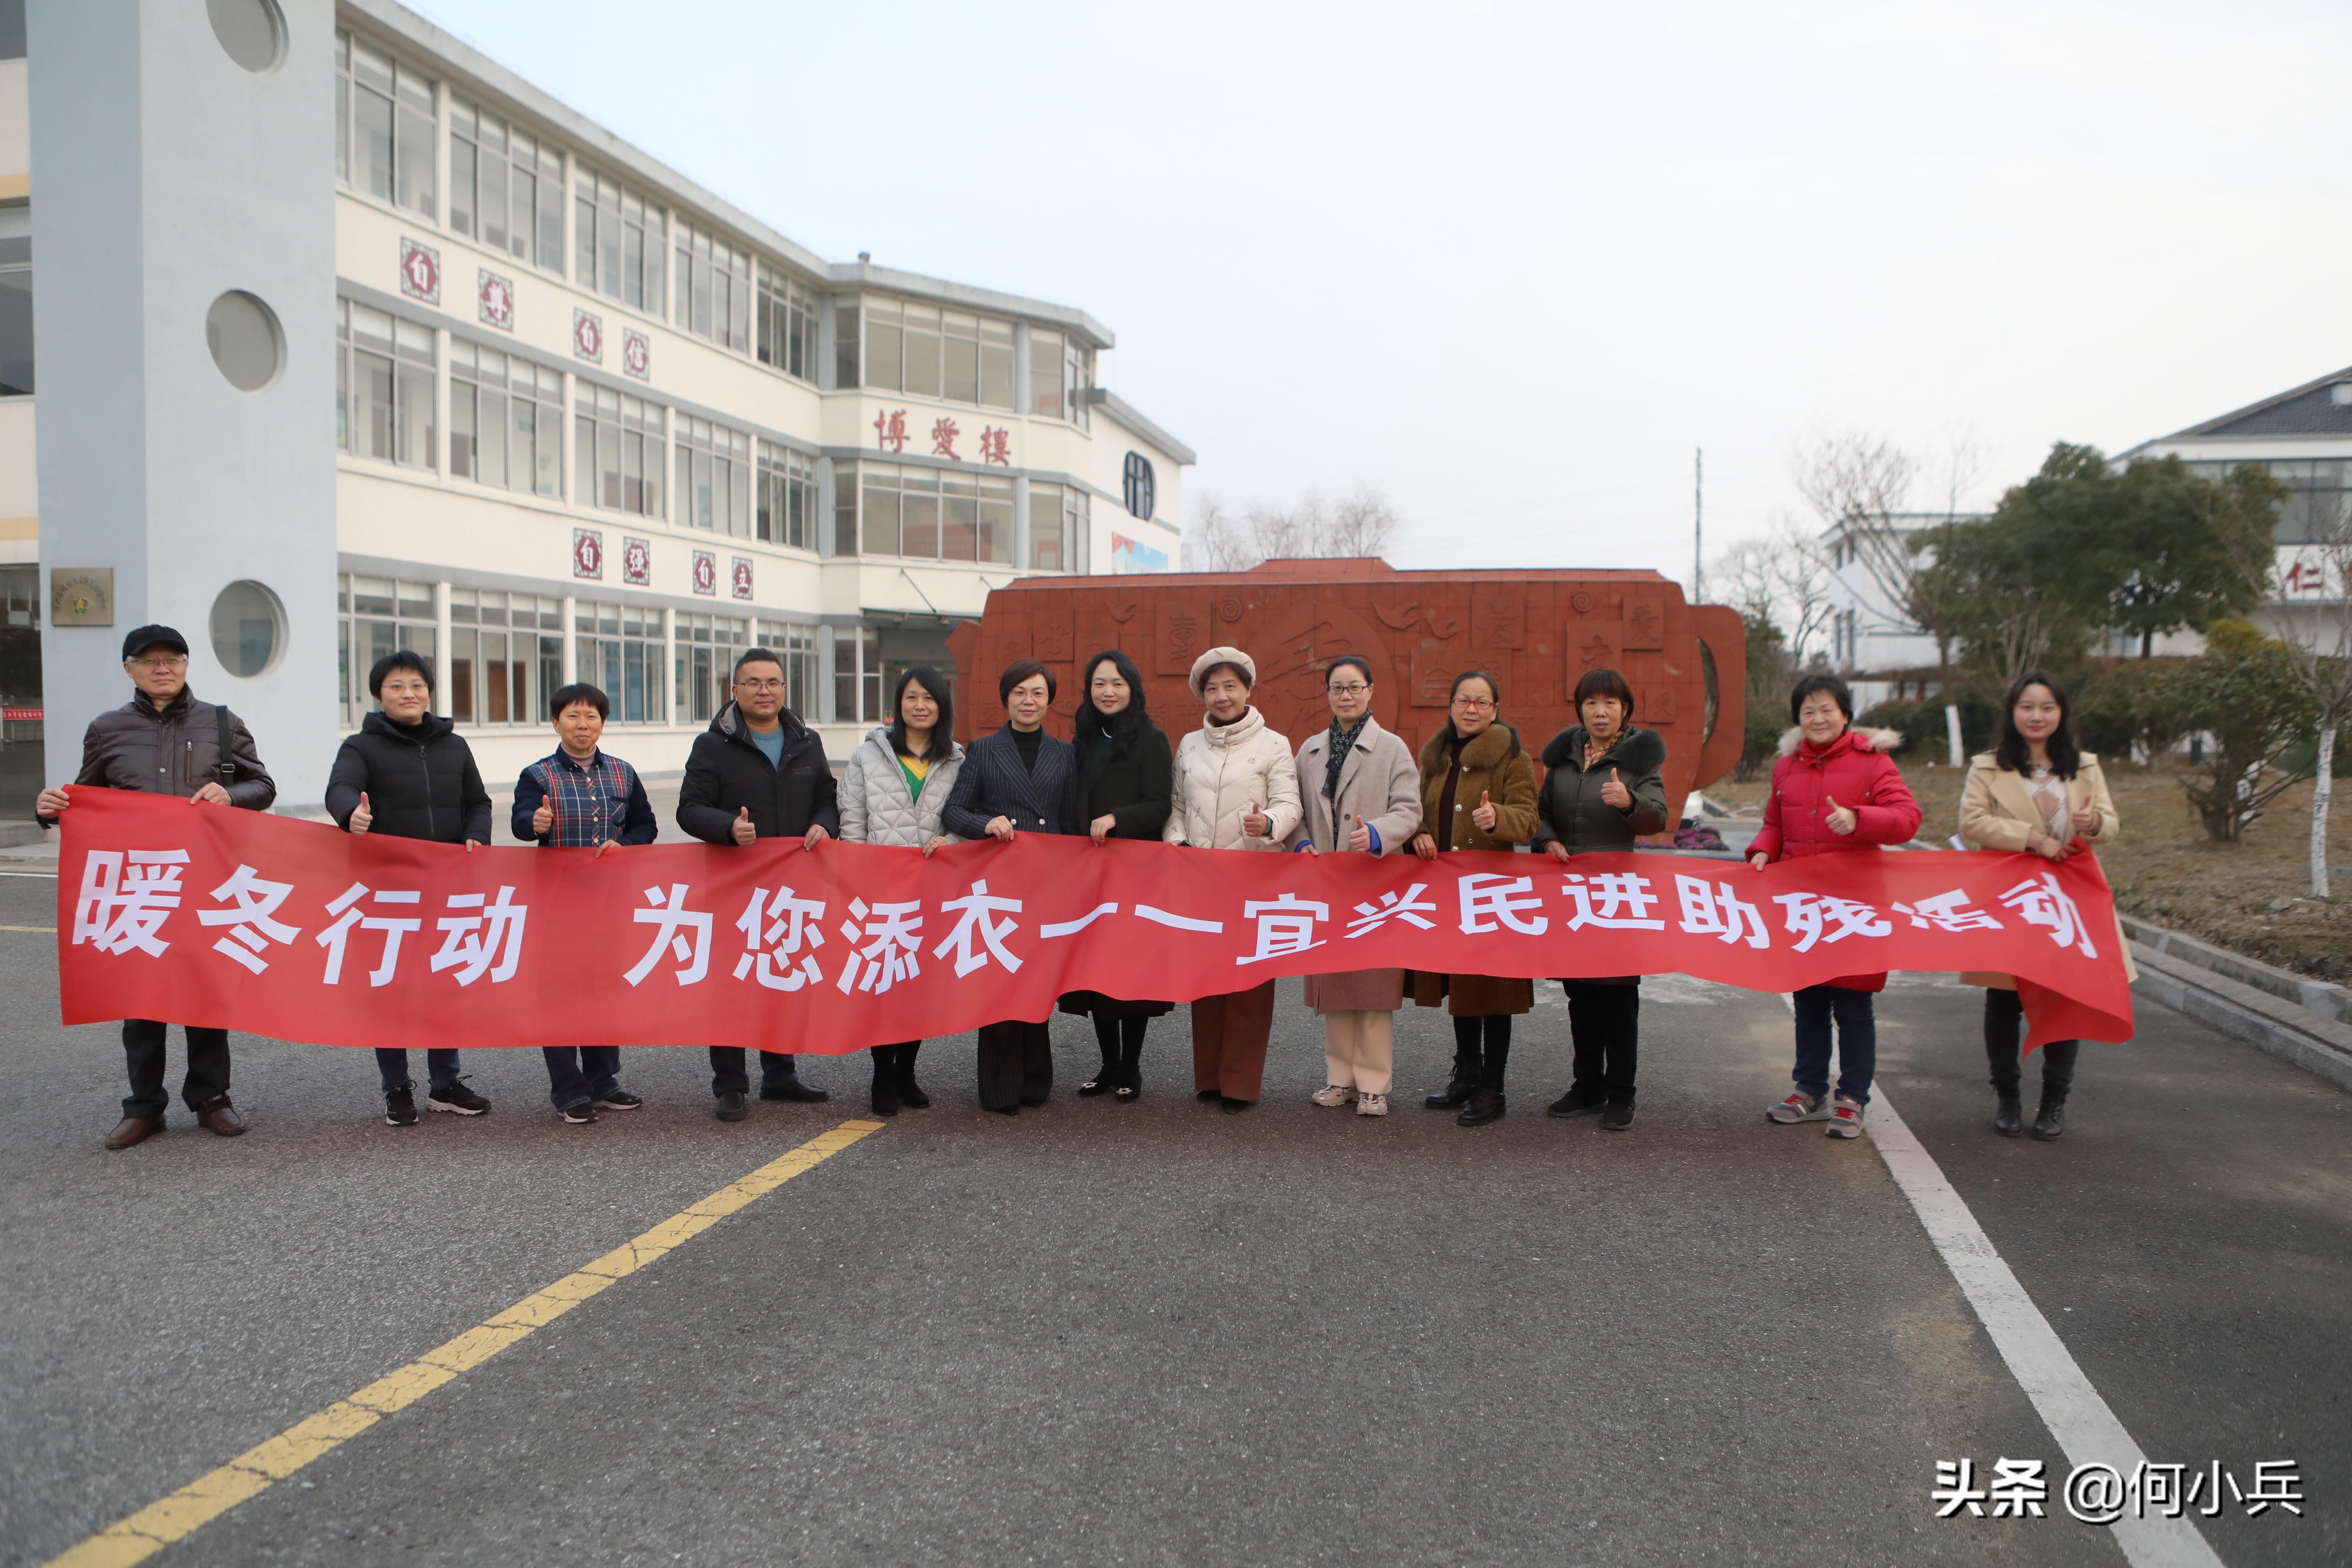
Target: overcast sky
(1509,263)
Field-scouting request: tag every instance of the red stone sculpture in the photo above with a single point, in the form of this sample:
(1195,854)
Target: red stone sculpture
(1535,632)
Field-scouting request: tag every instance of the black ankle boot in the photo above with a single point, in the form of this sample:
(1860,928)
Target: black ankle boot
(2009,1116)
(1459,1088)
(1486,1105)
(2051,1123)
(886,1092)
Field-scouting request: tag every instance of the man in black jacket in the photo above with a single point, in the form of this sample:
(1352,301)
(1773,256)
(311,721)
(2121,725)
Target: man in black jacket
(409,774)
(756,772)
(165,742)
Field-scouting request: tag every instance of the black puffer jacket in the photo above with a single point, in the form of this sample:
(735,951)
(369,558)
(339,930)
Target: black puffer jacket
(420,781)
(174,750)
(1568,808)
(726,773)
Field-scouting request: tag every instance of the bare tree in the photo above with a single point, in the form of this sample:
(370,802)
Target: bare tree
(1860,486)
(1781,577)
(1212,542)
(1361,523)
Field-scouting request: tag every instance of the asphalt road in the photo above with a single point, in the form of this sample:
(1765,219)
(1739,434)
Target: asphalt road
(1157,1334)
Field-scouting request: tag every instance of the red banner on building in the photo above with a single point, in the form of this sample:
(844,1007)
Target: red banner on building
(208,915)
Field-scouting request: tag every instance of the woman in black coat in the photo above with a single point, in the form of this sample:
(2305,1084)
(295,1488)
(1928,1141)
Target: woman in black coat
(1016,781)
(1121,788)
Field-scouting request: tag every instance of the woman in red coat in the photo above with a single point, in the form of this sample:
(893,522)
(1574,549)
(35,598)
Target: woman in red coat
(1834,790)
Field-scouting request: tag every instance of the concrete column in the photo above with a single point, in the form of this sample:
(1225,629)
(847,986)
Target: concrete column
(443,665)
(571,639)
(441,387)
(1021,521)
(827,650)
(1021,370)
(669,665)
(164,172)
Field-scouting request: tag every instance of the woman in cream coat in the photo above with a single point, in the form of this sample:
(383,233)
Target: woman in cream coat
(1236,788)
(2034,791)
(1369,803)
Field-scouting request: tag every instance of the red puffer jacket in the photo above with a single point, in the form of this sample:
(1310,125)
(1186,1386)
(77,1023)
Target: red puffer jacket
(1854,771)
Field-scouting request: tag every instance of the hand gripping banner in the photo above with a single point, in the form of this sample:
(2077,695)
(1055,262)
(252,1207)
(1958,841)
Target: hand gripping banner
(201,914)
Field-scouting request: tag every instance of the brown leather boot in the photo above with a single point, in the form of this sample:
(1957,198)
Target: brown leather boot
(217,1115)
(134,1129)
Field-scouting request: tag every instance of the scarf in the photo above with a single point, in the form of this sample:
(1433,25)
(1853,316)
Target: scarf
(1342,742)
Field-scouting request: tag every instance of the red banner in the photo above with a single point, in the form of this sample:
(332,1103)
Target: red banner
(233,918)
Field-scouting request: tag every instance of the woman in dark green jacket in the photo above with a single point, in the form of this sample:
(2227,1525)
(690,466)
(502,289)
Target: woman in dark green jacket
(1601,791)
(1121,788)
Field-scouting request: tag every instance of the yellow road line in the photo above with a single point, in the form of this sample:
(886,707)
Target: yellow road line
(205,1499)
(51,929)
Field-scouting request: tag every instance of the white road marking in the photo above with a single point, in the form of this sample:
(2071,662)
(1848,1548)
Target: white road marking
(2086,1430)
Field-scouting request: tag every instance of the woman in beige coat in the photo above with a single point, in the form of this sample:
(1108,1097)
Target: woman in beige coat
(2035,791)
(1359,791)
(1236,788)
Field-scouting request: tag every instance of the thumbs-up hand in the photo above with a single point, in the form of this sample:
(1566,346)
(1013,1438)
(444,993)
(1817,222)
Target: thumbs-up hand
(741,828)
(1483,817)
(1256,823)
(543,821)
(1839,820)
(1614,792)
(361,817)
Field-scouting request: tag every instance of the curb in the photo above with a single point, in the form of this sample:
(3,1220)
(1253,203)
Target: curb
(2329,1001)
(2295,1035)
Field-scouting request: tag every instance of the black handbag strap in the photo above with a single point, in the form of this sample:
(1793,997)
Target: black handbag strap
(228,762)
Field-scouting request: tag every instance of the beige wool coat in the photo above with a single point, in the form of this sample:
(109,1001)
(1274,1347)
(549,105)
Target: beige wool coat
(1221,772)
(1996,812)
(1379,786)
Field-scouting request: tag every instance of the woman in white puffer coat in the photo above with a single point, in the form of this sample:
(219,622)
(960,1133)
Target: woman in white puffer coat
(1236,788)
(892,791)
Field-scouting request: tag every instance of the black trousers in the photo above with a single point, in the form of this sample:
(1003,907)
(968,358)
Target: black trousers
(143,1053)
(1482,1049)
(895,1064)
(1121,1039)
(727,1069)
(1016,1065)
(2004,1027)
(1604,1024)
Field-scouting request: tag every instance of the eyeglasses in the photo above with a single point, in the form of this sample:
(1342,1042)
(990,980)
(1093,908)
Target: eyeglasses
(1474,702)
(1356,690)
(760,685)
(178,662)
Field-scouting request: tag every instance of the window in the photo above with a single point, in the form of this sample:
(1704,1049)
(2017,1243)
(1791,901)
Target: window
(506,186)
(616,442)
(12,29)
(787,324)
(621,239)
(506,420)
(714,290)
(621,648)
(707,648)
(384,386)
(787,497)
(845,509)
(714,476)
(384,126)
(932,353)
(1061,368)
(506,656)
(2320,494)
(796,645)
(845,341)
(379,615)
(16,301)
(1046,551)
(930,515)
(857,676)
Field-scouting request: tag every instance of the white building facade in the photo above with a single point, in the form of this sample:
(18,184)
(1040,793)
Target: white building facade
(573,415)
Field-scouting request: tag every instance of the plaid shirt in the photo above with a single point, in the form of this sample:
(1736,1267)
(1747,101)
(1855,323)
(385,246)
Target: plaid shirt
(591,800)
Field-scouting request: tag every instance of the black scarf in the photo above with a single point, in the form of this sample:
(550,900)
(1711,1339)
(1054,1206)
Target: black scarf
(1342,742)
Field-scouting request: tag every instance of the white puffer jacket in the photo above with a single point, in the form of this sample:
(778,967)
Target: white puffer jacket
(1221,772)
(877,806)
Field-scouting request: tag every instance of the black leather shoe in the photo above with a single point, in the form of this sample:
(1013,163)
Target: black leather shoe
(731,1105)
(1484,1106)
(217,1115)
(2051,1123)
(885,1096)
(133,1130)
(1576,1102)
(1205,1095)
(911,1093)
(1454,1095)
(1234,1106)
(2009,1117)
(1616,1118)
(792,1088)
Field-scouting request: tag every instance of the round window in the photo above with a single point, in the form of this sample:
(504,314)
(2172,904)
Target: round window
(249,628)
(1139,487)
(247,344)
(252,31)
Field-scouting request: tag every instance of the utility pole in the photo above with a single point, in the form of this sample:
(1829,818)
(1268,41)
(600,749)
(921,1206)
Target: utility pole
(1698,517)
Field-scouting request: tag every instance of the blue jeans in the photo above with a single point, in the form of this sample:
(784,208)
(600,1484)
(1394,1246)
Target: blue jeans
(578,1074)
(441,1067)
(1857,1041)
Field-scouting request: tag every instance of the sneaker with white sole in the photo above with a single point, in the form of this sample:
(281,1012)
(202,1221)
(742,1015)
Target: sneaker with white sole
(580,1115)
(1333,1094)
(456,1099)
(1846,1122)
(1801,1107)
(1372,1105)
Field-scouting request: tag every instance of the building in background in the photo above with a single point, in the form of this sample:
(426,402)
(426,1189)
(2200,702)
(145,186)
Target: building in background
(588,420)
(1874,645)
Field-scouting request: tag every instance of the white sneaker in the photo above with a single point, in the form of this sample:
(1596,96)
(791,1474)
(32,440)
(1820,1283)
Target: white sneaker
(1332,1094)
(1372,1105)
